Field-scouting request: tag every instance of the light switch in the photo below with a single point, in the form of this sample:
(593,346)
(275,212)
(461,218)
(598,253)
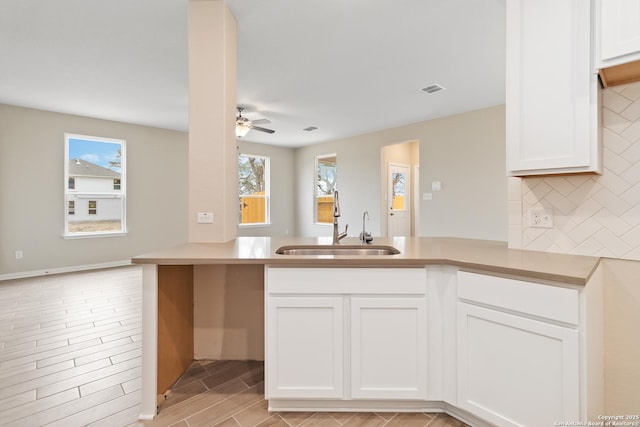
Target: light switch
(427,196)
(205,218)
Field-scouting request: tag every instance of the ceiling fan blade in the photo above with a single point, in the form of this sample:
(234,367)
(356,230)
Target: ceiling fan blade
(261,129)
(261,121)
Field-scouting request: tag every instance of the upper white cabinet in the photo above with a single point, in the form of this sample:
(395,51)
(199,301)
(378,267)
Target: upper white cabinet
(617,43)
(552,121)
(619,31)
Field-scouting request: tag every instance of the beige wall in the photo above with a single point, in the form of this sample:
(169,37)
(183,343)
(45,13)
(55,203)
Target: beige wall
(32,191)
(622,346)
(465,152)
(213,162)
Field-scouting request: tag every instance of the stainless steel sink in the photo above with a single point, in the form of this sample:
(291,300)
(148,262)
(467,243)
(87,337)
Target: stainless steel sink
(353,250)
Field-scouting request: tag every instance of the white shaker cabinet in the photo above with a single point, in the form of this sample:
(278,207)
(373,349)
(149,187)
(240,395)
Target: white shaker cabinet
(346,333)
(507,362)
(518,343)
(618,31)
(551,90)
(305,348)
(388,348)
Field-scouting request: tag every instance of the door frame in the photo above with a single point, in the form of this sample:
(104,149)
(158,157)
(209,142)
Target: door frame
(413,146)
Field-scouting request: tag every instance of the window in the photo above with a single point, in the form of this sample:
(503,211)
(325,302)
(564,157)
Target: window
(398,191)
(94,186)
(325,185)
(253,189)
(93,207)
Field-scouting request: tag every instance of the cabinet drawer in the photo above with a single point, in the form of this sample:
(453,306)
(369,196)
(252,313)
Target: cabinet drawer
(551,302)
(389,281)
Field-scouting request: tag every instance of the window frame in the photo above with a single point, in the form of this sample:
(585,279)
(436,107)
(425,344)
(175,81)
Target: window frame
(266,197)
(94,196)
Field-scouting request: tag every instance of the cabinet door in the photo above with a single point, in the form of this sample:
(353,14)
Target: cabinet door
(619,28)
(304,357)
(515,371)
(388,348)
(551,91)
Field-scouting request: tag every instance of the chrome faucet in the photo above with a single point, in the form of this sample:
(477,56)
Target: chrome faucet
(336,213)
(365,237)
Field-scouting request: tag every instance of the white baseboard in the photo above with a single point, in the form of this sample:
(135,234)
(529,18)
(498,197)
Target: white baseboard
(60,270)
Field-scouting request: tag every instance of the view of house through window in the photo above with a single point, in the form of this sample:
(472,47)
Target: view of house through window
(253,189)
(325,183)
(94,185)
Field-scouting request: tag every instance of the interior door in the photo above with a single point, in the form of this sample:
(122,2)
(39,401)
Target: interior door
(399,215)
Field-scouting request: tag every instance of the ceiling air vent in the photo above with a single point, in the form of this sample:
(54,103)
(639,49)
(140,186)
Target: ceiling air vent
(432,88)
(310,128)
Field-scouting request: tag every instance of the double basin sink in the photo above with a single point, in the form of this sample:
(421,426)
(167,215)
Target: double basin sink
(351,250)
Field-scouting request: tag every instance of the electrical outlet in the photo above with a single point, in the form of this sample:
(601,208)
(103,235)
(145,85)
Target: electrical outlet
(540,218)
(19,254)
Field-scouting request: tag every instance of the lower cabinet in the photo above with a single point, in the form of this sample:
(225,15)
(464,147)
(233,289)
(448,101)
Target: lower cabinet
(388,348)
(515,371)
(518,360)
(364,339)
(489,350)
(305,348)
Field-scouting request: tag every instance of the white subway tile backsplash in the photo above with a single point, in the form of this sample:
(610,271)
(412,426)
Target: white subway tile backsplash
(615,163)
(613,182)
(615,102)
(615,142)
(631,91)
(632,132)
(593,214)
(632,112)
(612,242)
(614,122)
(632,153)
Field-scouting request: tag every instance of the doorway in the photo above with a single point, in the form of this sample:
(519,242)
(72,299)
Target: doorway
(399,207)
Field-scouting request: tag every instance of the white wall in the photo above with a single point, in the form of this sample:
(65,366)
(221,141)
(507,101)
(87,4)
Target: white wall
(282,190)
(32,191)
(465,152)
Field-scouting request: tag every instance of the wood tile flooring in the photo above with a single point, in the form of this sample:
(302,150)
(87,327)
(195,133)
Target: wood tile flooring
(70,349)
(231,394)
(70,356)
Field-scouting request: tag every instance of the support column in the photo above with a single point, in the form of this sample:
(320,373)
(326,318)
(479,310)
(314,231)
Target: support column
(212,142)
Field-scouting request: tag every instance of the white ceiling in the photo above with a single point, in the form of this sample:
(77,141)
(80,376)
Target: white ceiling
(346,66)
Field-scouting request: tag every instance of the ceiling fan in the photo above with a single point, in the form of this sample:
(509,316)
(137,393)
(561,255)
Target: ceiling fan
(244,125)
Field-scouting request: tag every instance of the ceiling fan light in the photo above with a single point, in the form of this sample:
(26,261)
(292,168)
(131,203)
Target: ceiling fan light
(242,130)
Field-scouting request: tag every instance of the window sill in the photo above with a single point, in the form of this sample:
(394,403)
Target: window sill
(92,235)
(262,224)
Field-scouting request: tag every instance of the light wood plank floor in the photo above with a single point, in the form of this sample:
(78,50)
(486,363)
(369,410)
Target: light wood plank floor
(70,349)
(70,356)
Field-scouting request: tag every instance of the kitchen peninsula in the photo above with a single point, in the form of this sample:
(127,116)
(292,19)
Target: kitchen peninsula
(488,334)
